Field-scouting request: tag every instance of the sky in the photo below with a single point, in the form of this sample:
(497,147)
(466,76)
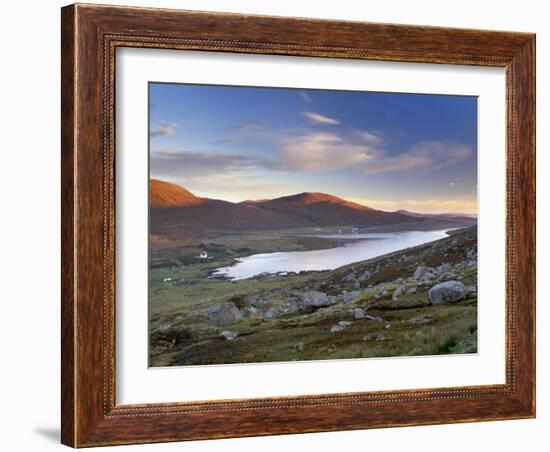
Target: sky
(389,151)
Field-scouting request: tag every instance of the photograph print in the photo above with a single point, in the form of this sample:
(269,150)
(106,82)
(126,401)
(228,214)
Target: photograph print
(298,224)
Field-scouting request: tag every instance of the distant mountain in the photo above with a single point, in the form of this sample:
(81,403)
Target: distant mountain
(176,212)
(436,215)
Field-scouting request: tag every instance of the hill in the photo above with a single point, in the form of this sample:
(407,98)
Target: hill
(176,212)
(164,194)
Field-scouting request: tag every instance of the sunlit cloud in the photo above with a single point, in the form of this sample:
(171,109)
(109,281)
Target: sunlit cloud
(370,137)
(322,152)
(163,130)
(320,119)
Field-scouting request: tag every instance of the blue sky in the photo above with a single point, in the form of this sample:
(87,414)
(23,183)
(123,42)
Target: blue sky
(386,150)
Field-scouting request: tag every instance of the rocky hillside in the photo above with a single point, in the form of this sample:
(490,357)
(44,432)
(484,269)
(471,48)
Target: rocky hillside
(418,301)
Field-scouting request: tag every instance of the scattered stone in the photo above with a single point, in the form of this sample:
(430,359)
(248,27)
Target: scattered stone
(356,285)
(397,292)
(372,317)
(447,276)
(399,281)
(278,311)
(387,326)
(350,297)
(380,292)
(448,291)
(336,329)
(250,312)
(358,313)
(423,272)
(344,323)
(420,319)
(365,276)
(229,335)
(350,277)
(164,327)
(367,338)
(411,290)
(178,318)
(299,346)
(380,338)
(315,299)
(224,314)
(445,267)
(471,254)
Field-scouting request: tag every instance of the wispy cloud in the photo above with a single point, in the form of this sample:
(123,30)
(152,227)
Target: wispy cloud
(430,155)
(370,137)
(316,152)
(329,151)
(322,152)
(183,163)
(320,119)
(305,96)
(163,130)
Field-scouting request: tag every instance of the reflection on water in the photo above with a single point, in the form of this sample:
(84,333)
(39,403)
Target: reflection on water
(361,247)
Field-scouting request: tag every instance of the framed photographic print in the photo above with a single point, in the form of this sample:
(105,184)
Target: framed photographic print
(278,225)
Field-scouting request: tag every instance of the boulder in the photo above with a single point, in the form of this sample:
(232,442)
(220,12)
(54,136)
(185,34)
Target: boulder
(448,291)
(350,277)
(278,311)
(229,335)
(358,313)
(447,276)
(397,292)
(336,329)
(315,299)
(411,290)
(224,314)
(364,277)
(344,323)
(424,272)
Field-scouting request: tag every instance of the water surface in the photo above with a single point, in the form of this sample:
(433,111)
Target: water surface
(357,247)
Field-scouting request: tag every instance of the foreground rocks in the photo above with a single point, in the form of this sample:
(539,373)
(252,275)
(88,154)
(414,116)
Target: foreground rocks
(448,291)
(224,314)
(314,299)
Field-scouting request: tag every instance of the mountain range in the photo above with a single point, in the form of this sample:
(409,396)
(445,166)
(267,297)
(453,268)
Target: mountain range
(176,212)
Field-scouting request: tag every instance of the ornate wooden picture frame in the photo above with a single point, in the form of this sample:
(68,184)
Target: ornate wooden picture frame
(90,37)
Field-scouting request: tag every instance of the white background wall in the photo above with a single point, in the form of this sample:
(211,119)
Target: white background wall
(29,226)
